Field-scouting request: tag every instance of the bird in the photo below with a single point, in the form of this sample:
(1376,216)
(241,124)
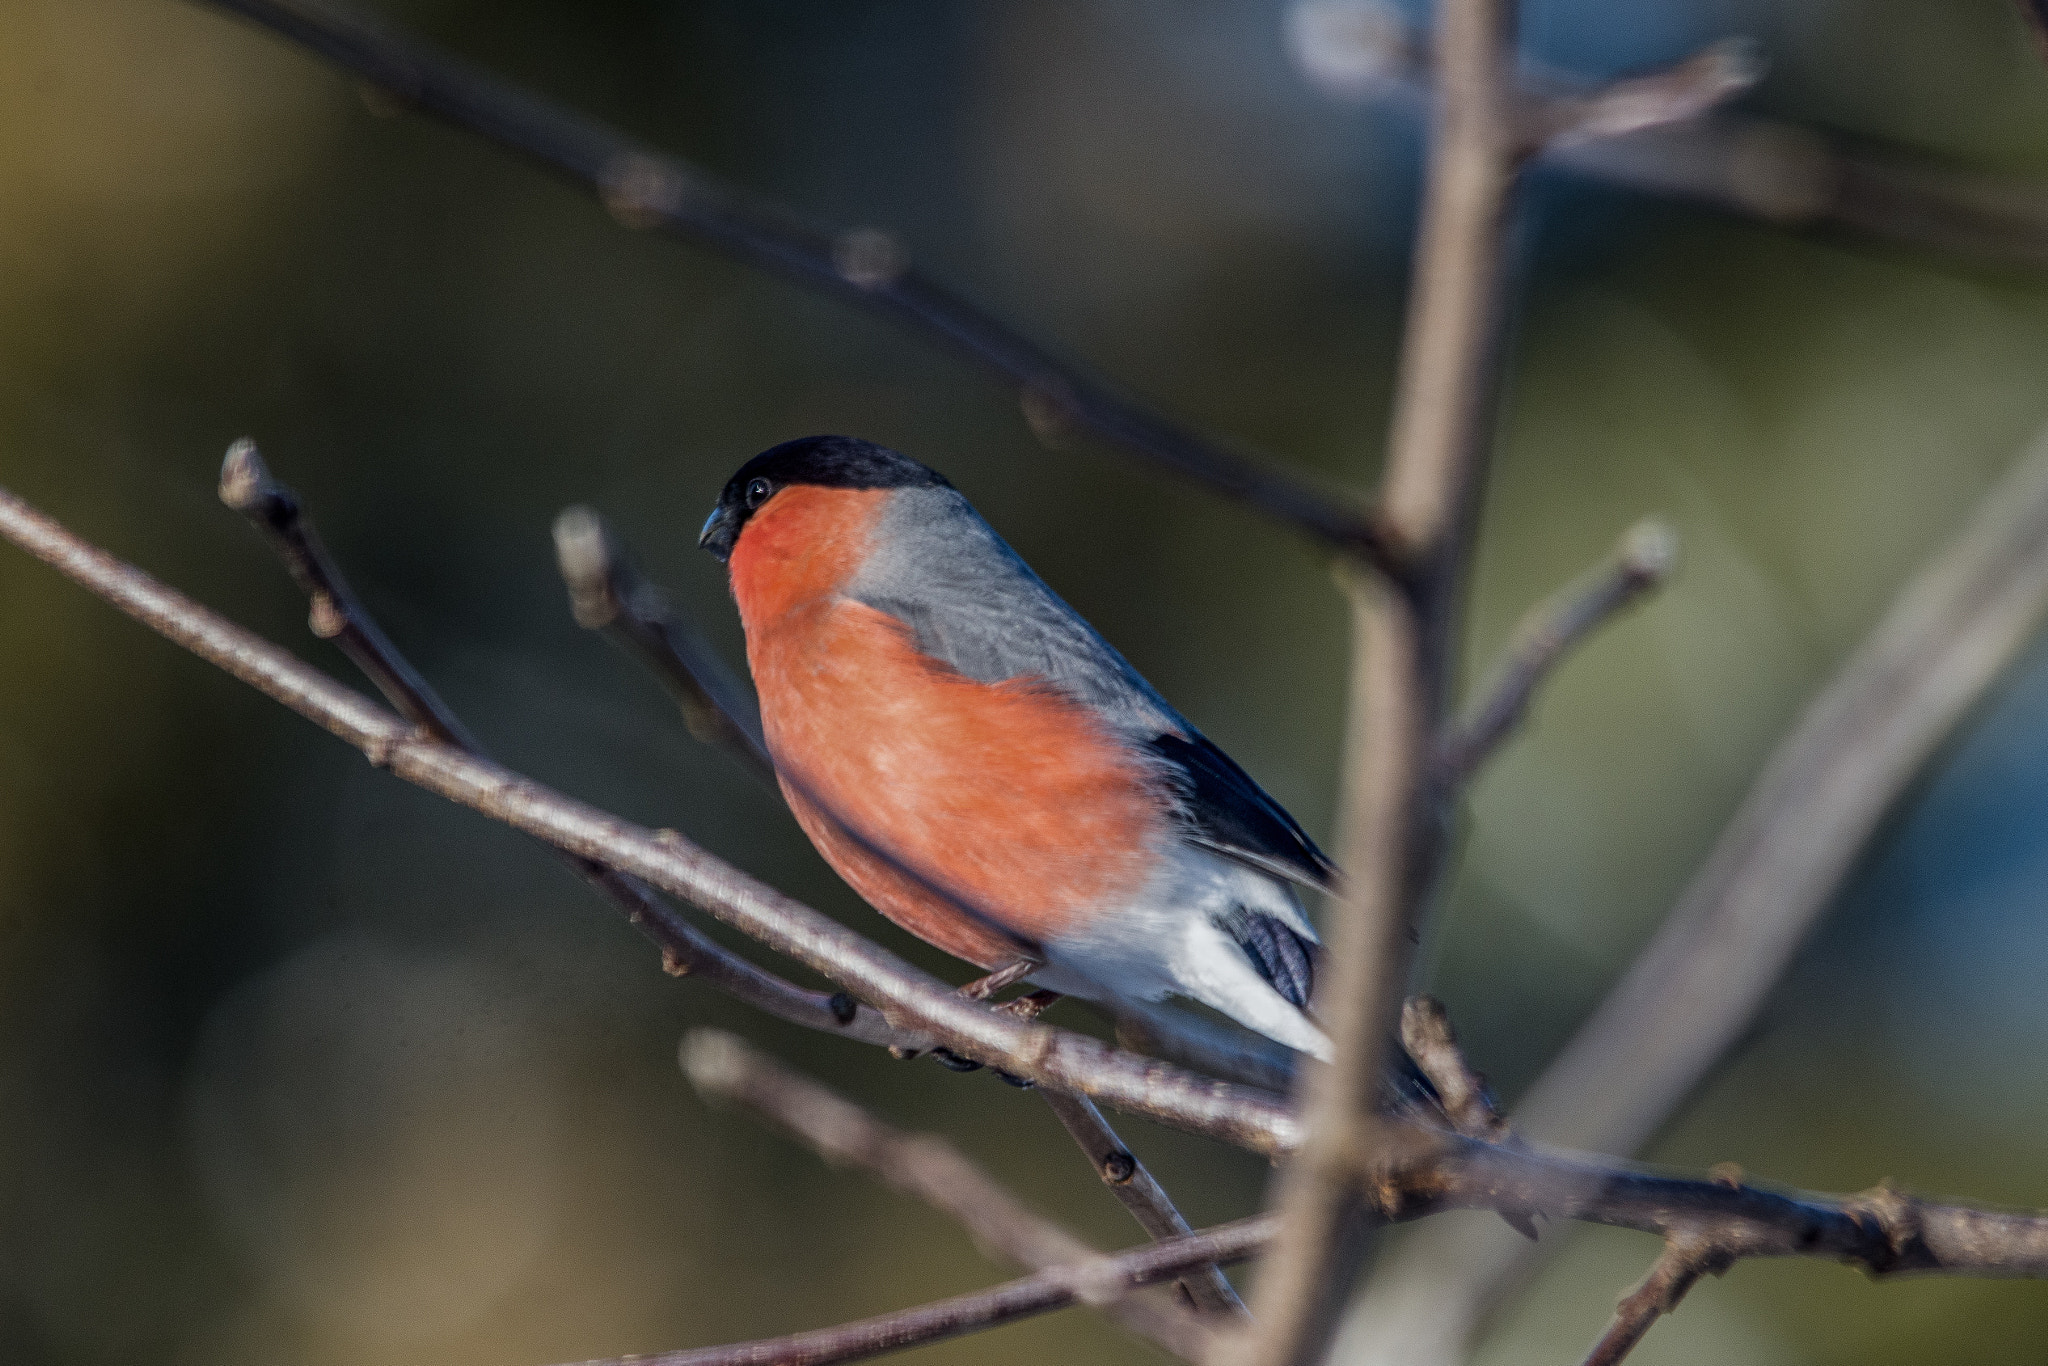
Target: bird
(989,773)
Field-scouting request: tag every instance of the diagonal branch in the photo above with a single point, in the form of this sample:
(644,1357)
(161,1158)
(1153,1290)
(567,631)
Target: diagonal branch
(1686,1258)
(1427,1035)
(1640,563)
(608,593)
(922,1166)
(247,486)
(1676,94)
(909,999)
(1139,1192)
(1100,1280)
(647,189)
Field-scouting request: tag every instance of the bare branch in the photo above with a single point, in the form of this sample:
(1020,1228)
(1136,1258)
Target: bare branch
(1676,94)
(922,1166)
(608,593)
(1403,641)
(1884,1230)
(1684,1260)
(911,1000)
(1641,562)
(1207,1290)
(1948,636)
(1100,1280)
(1772,170)
(247,486)
(872,269)
(1427,1035)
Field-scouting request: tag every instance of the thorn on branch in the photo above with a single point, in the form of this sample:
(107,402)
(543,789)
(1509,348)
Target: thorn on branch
(1642,561)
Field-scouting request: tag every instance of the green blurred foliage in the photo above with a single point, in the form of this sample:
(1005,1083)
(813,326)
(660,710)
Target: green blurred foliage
(297,1063)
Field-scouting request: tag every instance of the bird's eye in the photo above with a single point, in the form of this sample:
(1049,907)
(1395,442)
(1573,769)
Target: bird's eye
(757,493)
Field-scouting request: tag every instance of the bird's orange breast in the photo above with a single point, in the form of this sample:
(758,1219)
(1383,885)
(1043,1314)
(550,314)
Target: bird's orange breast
(926,790)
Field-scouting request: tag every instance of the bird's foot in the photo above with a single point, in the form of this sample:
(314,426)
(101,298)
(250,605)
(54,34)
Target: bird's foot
(1026,1007)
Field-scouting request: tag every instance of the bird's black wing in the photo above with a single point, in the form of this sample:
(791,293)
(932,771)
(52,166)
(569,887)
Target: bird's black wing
(1228,812)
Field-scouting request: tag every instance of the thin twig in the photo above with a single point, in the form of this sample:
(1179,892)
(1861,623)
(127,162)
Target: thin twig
(1674,94)
(644,188)
(608,593)
(1772,170)
(1206,1289)
(1427,1035)
(911,1000)
(1100,1280)
(336,614)
(1685,1259)
(1404,637)
(247,486)
(1640,563)
(922,1166)
(1949,635)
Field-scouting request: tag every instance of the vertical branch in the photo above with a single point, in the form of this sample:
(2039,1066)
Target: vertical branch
(1402,632)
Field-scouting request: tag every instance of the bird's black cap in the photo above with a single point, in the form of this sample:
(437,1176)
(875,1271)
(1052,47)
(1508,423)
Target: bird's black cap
(833,462)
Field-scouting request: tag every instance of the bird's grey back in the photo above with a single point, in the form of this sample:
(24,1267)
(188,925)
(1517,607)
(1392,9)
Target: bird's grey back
(974,603)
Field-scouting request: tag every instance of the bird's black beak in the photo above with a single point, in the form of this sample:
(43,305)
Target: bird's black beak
(721,529)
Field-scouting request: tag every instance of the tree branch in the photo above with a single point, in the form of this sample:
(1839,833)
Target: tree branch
(922,1166)
(608,593)
(910,1000)
(1684,1260)
(1771,170)
(1427,1035)
(247,486)
(1948,636)
(1640,563)
(647,189)
(1408,1173)
(1675,94)
(1403,639)
(1208,1290)
(1098,1281)
(1884,1230)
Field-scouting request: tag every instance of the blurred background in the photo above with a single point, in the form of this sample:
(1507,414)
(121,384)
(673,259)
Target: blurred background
(298,1064)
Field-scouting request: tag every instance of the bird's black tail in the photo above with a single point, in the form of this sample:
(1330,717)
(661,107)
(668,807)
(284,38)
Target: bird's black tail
(1284,957)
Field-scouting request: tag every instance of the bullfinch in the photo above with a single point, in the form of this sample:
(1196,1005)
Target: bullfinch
(984,769)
